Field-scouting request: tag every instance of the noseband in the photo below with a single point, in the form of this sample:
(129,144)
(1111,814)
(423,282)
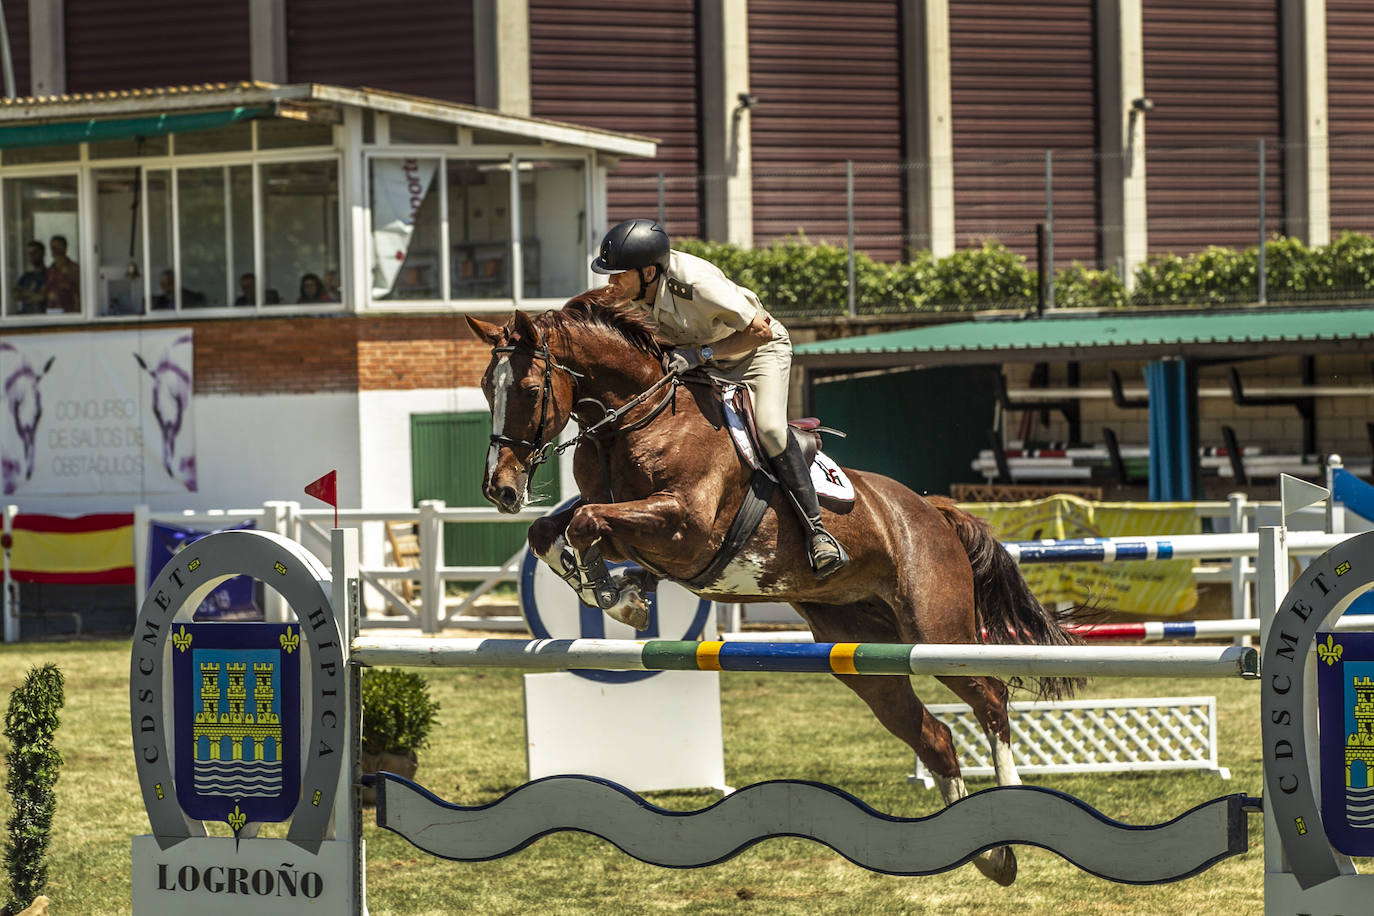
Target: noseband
(538,446)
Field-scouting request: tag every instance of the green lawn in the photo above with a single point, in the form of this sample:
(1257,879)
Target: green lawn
(776,726)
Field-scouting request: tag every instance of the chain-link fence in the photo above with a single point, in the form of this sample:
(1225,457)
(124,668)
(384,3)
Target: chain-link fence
(1162,226)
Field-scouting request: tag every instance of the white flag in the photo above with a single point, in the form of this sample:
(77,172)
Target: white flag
(399,187)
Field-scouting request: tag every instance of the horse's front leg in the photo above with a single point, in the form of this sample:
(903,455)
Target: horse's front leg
(634,524)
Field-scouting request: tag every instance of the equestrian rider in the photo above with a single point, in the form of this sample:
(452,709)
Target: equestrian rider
(708,318)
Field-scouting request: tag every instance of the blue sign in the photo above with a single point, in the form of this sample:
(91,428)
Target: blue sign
(231,600)
(1345,703)
(236,721)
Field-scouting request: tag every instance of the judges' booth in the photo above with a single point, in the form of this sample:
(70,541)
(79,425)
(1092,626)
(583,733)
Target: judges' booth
(254,199)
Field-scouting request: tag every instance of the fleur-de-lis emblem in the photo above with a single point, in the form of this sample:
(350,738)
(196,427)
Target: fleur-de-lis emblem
(237,819)
(181,639)
(290,641)
(1330,651)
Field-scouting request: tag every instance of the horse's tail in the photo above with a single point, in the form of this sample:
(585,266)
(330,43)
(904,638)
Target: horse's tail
(1008,612)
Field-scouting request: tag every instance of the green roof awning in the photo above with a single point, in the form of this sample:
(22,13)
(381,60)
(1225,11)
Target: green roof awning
(60,133)
(1236,335)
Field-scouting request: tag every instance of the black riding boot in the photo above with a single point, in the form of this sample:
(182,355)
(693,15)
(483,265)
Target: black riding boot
(826,554)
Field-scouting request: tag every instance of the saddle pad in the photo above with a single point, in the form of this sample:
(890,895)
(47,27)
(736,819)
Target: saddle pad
(829,478)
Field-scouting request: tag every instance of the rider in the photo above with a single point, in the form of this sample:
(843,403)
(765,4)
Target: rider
(710,319)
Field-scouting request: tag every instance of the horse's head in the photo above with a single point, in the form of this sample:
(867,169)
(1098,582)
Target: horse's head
(530,392)
(171,401)
(25,404)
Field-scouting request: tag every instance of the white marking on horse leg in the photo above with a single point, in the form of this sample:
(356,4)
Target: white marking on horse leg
(1003,762)
(951,788)
(501,380)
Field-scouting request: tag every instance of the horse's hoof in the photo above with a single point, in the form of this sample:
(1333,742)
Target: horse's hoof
(631,609)
(998,864)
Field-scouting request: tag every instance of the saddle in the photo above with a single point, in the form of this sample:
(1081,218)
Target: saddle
(833,487)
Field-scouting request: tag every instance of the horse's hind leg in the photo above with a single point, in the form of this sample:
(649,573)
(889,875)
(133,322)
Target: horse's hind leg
(901,712)
(987,697)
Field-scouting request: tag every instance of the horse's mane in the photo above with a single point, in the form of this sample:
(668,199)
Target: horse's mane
(603,309)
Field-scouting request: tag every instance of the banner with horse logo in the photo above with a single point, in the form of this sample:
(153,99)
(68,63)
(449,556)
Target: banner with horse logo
(236,722)
(97,413)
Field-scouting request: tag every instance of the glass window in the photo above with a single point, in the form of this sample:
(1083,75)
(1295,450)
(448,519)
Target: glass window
(300,217)
(160,233)
(129,147)
(230,138)
(40,237)
(553,202)
(119,241)
(405,229)
(200,217)
(277,133)
(479,230)
(405,129)
(245,289)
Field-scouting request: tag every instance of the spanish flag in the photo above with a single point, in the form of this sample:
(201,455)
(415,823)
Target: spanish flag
(87,550)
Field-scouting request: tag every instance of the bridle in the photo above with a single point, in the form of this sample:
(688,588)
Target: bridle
(539,447)
(595,432)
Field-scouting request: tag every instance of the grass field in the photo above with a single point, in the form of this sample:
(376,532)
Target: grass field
(776,726)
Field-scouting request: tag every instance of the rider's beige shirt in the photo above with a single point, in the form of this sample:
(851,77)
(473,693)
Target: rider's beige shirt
(697,304)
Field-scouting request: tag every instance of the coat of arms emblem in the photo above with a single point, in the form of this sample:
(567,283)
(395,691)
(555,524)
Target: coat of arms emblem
(237,721)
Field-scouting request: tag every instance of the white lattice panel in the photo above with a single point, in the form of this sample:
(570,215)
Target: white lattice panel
(1092,736)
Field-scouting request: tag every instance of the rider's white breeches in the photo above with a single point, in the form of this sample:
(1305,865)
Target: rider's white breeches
(767,373)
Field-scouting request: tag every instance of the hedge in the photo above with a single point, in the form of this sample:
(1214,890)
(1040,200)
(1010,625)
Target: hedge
(797,277)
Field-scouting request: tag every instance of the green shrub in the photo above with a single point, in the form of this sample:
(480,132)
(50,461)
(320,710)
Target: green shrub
(398,713)
(796,277)
(34,762)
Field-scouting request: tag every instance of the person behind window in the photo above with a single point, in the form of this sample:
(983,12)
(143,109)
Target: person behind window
(31,292)
(248,284)
(63,278)
(331,286)
(312,289)
(167,297)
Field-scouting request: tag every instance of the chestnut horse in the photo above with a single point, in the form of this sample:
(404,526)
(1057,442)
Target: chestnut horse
(660,483)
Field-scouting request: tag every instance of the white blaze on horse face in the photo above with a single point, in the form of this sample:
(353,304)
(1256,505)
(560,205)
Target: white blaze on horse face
(502,377)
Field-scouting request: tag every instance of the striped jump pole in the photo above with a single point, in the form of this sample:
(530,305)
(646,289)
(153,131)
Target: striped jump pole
(1171,547)
(832,658)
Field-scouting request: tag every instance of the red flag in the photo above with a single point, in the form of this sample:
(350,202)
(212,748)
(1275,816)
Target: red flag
(326,489)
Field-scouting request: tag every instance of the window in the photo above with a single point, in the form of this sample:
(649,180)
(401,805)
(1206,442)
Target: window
(553,204)
(405,229)
(479,230)
(119,241)
(40,239)
(300,226)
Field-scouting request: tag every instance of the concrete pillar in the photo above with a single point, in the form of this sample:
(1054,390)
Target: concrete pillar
(501,55)
(47,48)
(1307,168)
(267,34)
(726,109)
(928,125)
(1123,110)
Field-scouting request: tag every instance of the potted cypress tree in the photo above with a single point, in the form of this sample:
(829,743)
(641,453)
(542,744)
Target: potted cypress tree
(398,714)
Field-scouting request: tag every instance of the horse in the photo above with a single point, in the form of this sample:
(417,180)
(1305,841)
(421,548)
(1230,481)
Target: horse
(660,483)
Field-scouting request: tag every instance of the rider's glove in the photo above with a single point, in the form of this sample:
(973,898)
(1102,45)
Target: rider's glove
(685,359)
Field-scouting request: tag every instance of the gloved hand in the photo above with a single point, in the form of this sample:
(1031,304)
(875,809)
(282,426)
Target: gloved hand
(684,359)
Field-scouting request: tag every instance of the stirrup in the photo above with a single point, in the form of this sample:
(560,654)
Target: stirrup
(834,565)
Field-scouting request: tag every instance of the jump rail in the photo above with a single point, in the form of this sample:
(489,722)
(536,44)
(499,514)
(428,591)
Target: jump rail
(835,658)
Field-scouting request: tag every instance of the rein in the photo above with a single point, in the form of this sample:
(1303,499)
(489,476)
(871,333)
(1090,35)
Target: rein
(595,432)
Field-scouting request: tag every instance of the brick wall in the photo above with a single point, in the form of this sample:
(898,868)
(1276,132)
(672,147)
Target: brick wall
(332,354)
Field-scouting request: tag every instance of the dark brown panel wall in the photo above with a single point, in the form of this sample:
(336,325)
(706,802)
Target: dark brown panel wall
(1350,111)
(828,81)
(1213,71)
(628,65)
(422,47)
(1022,82)
(140,43)
(17,25)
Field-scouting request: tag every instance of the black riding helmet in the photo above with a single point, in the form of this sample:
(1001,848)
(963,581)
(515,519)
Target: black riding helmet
(631,245)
